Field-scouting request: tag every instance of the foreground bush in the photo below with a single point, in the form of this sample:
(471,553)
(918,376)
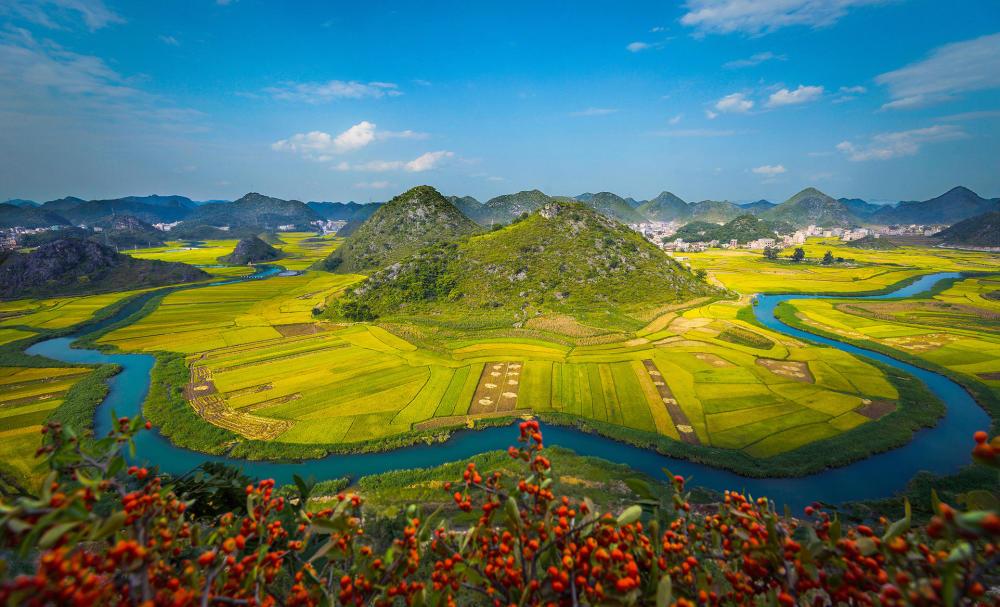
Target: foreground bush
(102,533)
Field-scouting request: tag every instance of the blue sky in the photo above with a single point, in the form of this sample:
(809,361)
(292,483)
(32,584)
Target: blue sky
(710,99)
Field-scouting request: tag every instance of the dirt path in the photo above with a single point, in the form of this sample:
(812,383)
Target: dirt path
(677,415)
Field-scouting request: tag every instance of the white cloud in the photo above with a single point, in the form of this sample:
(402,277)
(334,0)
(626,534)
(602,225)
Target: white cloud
(737,103)
(753,60)
(372,185)
(55,13)
(676,119)
(635,47)
(317,145)
(959,67)
(170,40)
(853,90)
(770,171)
(765,16)
(694,133)
(427,161)
(803,94)
(494,179)
(321,92)
(594,111)
(657,29)
(903,143)
(710,114)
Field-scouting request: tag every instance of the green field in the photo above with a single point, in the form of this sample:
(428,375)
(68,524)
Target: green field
(261,364)
(27,397)
(958,329)
(749,272)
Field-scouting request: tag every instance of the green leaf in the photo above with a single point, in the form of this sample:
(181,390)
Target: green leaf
(664,591)
(112,524)
(116,466)
(835,529)
(901,526)
(54,534)
(640,488)
(512,511)
(630,515)
(302,487)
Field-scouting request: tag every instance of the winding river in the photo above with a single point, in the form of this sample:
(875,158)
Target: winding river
(942,449)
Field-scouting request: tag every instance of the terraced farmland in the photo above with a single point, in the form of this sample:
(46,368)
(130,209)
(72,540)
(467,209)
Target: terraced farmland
(27,397)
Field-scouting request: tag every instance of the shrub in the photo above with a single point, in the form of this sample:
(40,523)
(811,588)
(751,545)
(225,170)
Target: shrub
(108,534)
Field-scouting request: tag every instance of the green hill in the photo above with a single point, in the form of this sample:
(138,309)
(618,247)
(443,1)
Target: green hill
(614,206)
(251,250)
(665,207)
(503,209)
(861,209)
(12,216)
(871,243)
(562,259)
(255,211)
(74,267)
(470,207)
(979,231)
(812,207)
(409,222)
(743,229)
(715,210)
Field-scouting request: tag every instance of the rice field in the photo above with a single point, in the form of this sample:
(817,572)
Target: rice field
(958,329)
(264,366)
(27,397)
(749,272)
(315,382)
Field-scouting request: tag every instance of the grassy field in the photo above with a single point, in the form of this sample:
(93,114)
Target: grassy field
(301,249)
(958,329)
(257,362)
(255,347)
(27,397)
(750,272)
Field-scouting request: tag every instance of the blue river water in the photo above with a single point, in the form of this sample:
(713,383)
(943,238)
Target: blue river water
(942,449)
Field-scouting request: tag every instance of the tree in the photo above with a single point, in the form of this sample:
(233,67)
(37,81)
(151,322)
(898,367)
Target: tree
(799,254)
(700,273)
(771,252)
(827,258)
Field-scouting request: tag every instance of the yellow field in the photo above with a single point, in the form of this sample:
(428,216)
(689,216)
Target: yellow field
(963,336)
(27,397)
(56,313)
(750,272)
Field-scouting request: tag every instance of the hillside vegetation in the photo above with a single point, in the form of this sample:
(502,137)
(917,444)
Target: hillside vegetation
(564,258)
(251,250)
(71,266)
(409,222)
(979,231)
(812,207)
(743,229)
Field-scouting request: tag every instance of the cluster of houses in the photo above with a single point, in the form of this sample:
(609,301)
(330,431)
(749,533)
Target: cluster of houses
(660,232)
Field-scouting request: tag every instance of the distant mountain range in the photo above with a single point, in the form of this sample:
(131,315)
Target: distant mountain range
(949,208)
(255,213)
